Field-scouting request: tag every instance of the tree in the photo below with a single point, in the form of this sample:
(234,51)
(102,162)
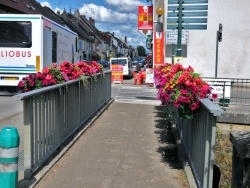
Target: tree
(141,51)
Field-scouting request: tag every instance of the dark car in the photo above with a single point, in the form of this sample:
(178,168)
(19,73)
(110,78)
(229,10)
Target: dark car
(104,63)
(136,67)
(140,60)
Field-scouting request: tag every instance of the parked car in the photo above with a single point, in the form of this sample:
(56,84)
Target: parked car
(104,63)
(136,67)
(140,60)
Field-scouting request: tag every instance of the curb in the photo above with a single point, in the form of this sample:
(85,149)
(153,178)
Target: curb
(38,177)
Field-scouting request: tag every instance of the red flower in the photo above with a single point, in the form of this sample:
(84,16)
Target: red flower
(54,75)
(182,86)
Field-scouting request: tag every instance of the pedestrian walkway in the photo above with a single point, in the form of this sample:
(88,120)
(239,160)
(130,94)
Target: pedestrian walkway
(126,147)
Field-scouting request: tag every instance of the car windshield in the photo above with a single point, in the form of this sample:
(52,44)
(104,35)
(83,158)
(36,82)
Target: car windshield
(137,59)
(119,61)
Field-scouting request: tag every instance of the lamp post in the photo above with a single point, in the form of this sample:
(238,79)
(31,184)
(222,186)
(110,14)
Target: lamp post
(159,24)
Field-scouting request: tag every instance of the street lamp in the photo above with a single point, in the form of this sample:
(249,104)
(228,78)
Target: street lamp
(160,11)
(159,24)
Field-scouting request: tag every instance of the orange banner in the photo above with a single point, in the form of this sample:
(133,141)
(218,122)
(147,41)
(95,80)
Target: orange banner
(158,48)
(117,73)
(145,17)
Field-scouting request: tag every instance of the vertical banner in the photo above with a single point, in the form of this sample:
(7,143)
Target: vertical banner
(117,73)
(145,17)
(158,48)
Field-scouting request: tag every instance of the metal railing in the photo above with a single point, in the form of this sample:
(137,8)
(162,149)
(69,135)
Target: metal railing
(197,136)
(232,91)
(53,114)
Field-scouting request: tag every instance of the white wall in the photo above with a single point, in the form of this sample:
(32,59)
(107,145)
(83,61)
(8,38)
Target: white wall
(234,50)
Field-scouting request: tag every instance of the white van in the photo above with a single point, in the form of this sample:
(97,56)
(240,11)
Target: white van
(127,65)
(28,43)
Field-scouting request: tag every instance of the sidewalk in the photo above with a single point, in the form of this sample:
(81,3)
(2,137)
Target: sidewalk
(124,148)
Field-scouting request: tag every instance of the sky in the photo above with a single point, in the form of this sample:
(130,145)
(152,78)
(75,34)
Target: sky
(118,16)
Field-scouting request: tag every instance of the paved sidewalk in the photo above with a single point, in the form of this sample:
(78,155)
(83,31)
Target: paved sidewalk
(123,148)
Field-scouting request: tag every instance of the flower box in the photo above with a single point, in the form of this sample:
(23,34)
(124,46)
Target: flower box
(180,87)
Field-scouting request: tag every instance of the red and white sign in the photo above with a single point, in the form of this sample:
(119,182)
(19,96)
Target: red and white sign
(158,48)
(145,17)
(117,73)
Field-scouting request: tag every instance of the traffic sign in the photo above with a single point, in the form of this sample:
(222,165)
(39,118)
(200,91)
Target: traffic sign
(172,36)
(187,20)
(188,1)
(186,14)
(187,7)
(191,15)
(188,27)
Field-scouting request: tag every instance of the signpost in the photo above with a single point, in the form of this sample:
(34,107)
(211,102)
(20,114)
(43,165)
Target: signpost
(188,15)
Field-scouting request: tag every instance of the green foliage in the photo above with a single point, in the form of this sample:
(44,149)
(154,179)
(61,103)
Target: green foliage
(141,51)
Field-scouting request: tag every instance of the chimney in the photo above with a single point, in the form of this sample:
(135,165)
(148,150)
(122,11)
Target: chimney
(77,15)
(125,39)
(64,14)
(91,21)
(58,12)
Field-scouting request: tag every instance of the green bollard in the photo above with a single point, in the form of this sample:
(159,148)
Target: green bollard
(9,143)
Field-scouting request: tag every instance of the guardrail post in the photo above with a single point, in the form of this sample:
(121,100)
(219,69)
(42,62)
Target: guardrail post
(241,159)
(9,146)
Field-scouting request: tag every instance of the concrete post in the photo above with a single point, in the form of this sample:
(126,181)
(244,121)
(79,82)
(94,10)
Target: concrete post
(9,143)
(241,159)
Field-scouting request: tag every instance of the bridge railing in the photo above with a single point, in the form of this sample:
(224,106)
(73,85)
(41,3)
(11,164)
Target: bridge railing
(53,114)
(231,91)
(197,138)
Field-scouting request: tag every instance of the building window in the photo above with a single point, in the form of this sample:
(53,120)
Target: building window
(54,47)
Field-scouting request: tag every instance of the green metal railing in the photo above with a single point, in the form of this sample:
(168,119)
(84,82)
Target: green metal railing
(197,137)
(232,91)
(53,114)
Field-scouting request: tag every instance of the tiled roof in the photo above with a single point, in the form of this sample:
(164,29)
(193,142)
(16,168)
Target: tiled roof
(28,7)
(19,5)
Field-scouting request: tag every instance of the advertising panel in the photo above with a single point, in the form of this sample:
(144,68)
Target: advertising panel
(117,73)
(158,48)
(145,17)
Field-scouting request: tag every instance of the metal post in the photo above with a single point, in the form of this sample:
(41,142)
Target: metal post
(9,146)
(173,53)
(179,50)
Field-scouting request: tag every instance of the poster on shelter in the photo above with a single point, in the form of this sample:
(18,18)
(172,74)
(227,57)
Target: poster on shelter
(117,73)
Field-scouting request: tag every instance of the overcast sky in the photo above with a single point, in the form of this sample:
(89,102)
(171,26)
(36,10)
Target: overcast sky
(118,16)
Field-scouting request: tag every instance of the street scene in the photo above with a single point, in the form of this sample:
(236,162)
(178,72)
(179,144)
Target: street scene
(134,93)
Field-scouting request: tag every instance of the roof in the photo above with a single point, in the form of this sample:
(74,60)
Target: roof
(19,6)
(28,7)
